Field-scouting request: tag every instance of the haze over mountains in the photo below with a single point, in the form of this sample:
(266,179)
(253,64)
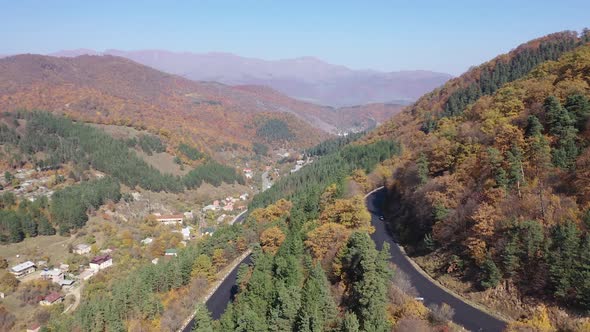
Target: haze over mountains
(305,78)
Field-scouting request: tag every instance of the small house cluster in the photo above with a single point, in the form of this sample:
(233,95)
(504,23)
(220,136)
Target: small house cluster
(57,276)
(228,204)
(300,163)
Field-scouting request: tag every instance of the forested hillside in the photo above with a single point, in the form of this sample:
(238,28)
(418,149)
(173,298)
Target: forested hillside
(494,182)
(67,210)
(49,142)
(63,141)
(113,90)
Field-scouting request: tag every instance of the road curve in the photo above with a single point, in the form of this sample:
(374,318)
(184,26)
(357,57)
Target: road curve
(469,317)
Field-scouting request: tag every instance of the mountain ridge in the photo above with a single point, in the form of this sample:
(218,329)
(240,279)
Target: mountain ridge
(307,78)
(115,90)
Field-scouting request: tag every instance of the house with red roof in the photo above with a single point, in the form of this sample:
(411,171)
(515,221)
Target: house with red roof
(52,298)
(101,262)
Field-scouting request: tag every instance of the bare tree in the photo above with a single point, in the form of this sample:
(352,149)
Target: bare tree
(402,281)
(441,314)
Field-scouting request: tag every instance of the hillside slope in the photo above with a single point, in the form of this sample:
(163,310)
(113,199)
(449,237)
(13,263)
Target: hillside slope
(304,78)
(493,184)
(113,90)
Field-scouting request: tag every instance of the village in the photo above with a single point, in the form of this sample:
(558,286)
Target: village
(153,223)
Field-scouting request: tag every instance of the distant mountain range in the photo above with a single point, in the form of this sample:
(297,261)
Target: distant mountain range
(305,78)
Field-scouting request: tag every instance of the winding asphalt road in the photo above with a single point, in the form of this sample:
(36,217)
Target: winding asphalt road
(467,316)
(225,292)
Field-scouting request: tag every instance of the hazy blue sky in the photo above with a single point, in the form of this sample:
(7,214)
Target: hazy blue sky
(447,36)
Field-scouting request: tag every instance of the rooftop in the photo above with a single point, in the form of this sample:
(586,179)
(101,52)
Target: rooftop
(100,259)
(22,266)
(52,297)
(170,216)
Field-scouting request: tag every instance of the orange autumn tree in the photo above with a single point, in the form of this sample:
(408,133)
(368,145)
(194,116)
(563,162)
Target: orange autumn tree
(272,212)
(271,239)
(326,240)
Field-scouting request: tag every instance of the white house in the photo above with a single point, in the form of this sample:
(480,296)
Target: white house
(172,219)
(210,207)
(186,232)
(244,196)
(66,283)
(101,262)
(87,274)
(23,269)
(55,275)
(82,249)
(147,241)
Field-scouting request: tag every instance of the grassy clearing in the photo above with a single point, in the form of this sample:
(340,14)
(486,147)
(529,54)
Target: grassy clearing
(54,247)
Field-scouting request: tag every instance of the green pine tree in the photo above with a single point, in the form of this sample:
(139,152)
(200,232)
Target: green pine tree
(203,321)
(350,323)
(491,274)
(423,171)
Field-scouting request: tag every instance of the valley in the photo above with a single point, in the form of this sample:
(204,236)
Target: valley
(145,188)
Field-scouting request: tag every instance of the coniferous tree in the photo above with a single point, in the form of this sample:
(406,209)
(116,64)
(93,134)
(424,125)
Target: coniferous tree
(583,274)
(317,307)
(491,274)
(534,126)
(350,323)
(563,256)
(203,321)
(496,160)
(423,171)
(578,107)
(365,275)
(562,126)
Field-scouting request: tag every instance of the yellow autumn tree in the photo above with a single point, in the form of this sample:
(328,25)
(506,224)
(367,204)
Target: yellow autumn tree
(538,322)
(326,240)
(272,212)
(328,196)
(203,268)
(359,176)
(349,212)
(219,259)
(271,239)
